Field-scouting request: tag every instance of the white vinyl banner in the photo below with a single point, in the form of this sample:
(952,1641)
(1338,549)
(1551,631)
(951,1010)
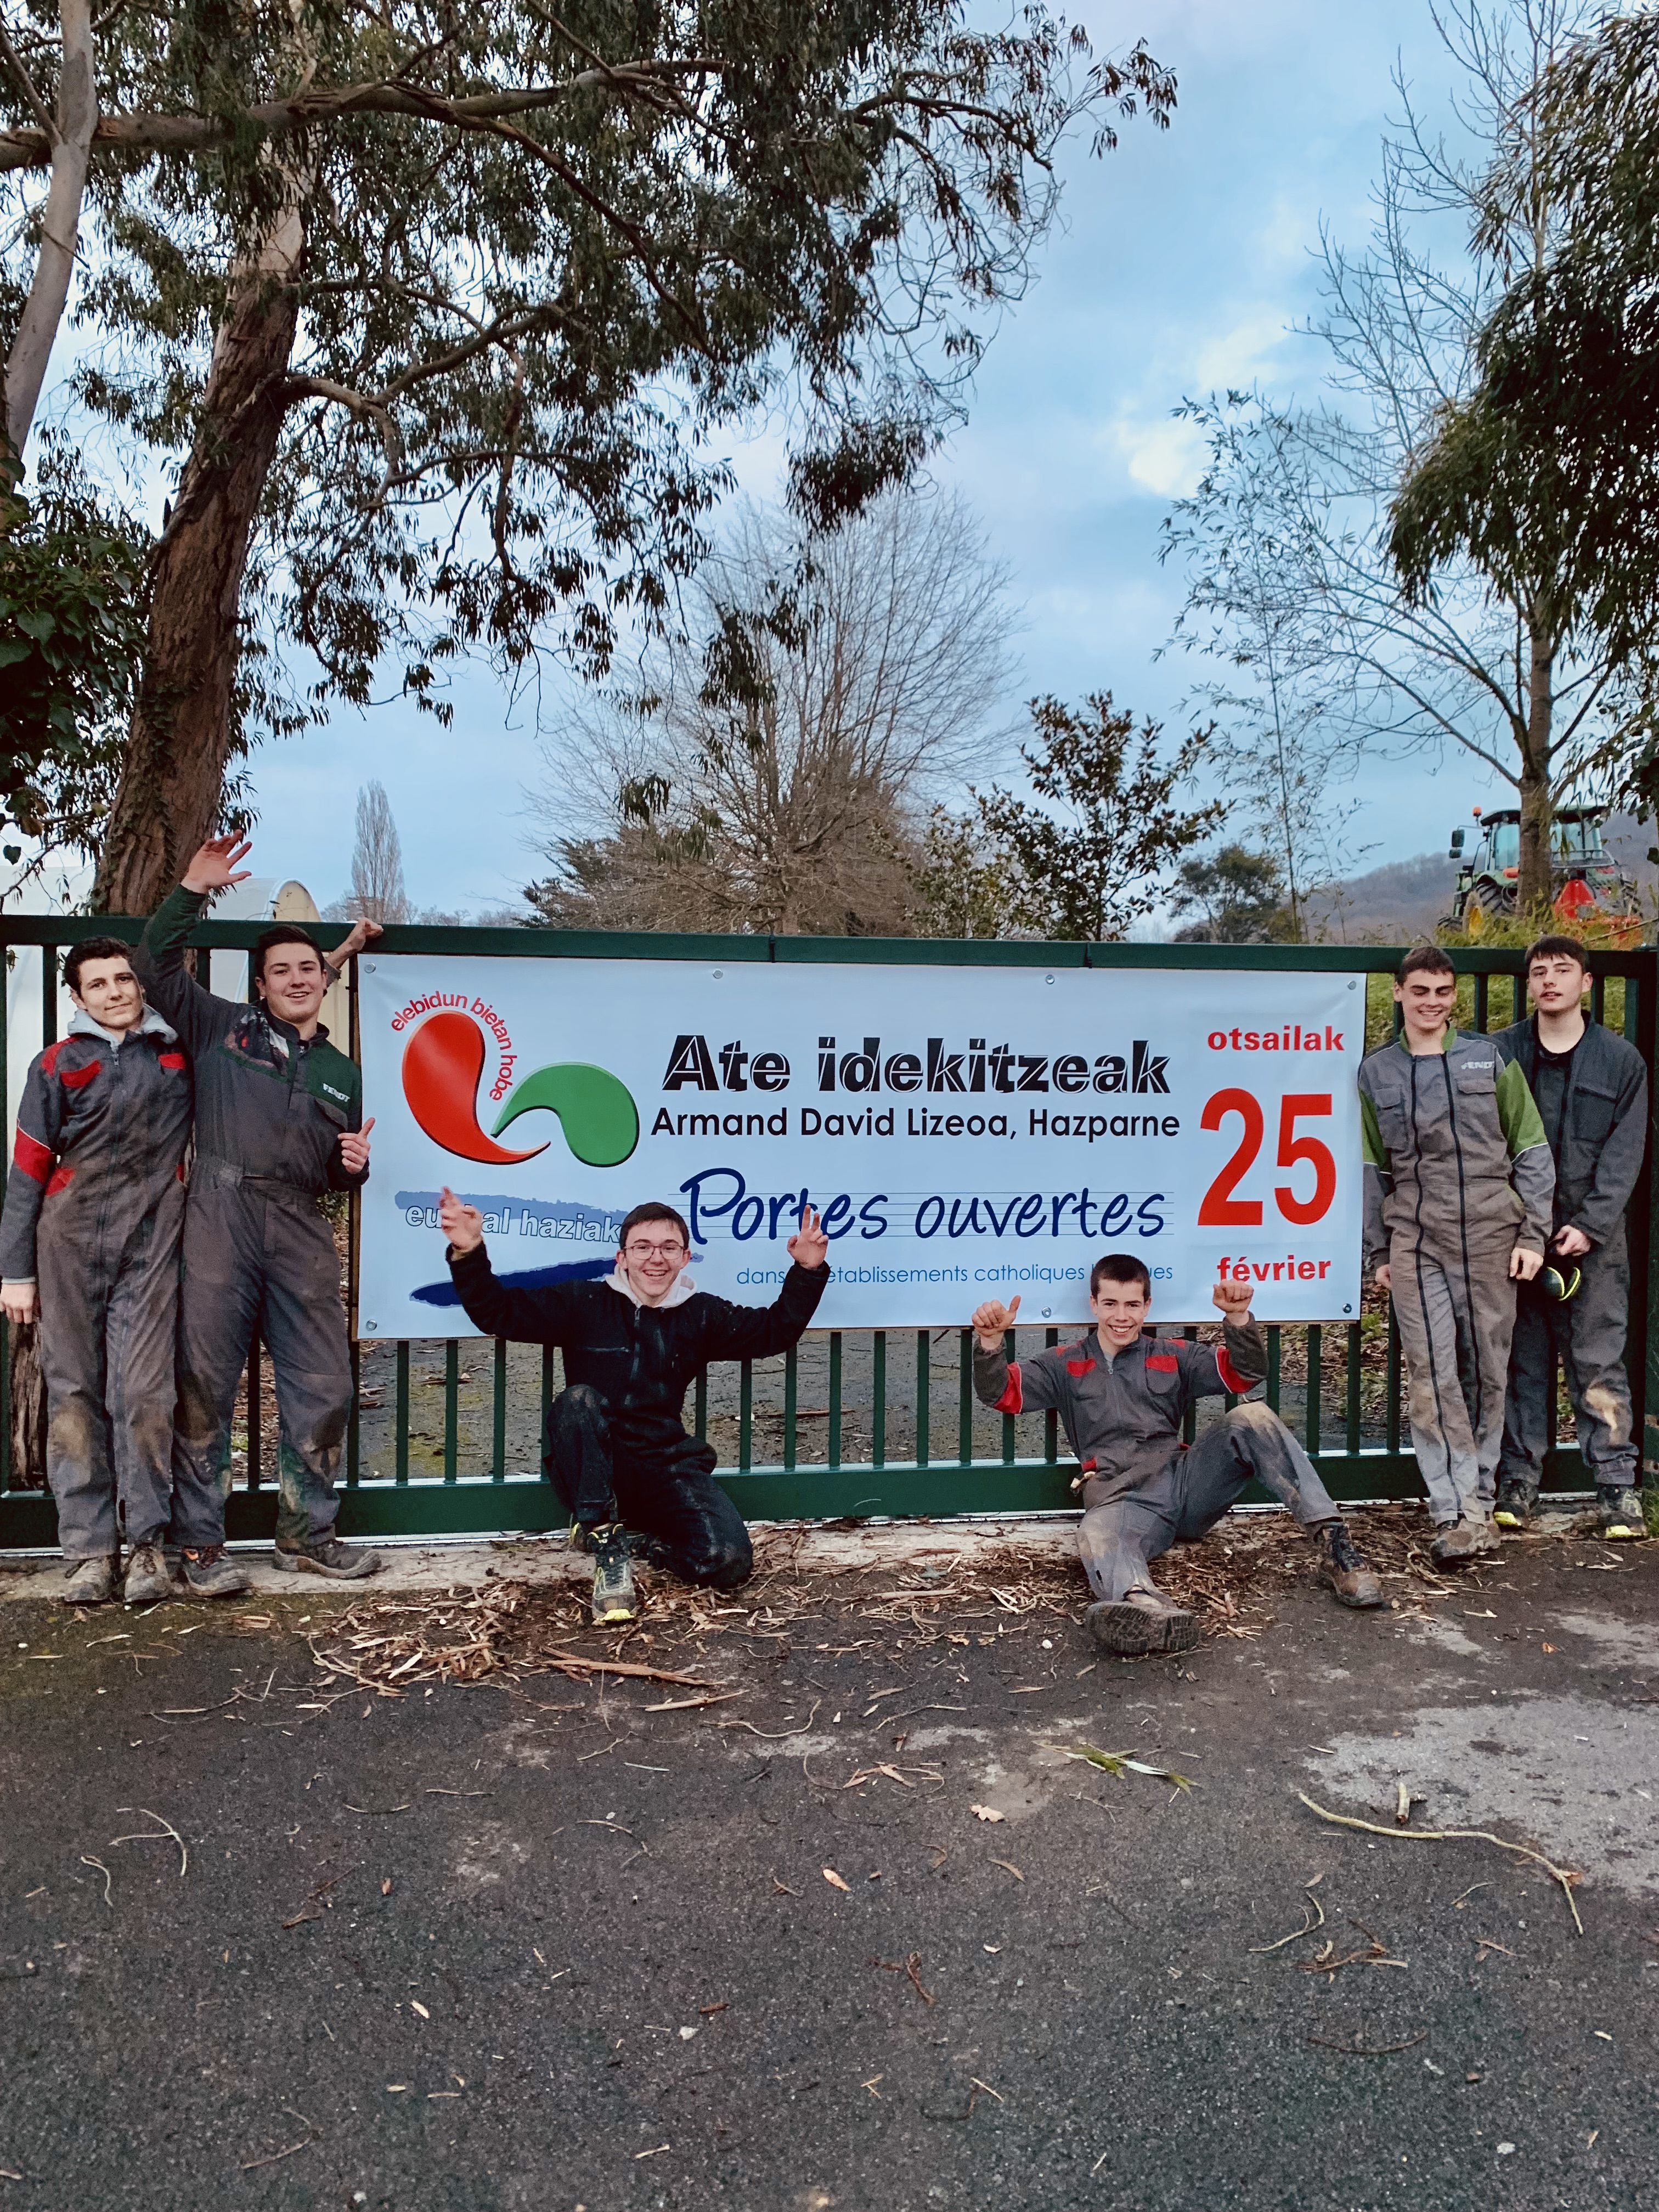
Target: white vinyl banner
(965,1133)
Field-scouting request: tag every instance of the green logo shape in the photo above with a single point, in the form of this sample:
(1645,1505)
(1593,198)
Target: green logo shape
(600,1120)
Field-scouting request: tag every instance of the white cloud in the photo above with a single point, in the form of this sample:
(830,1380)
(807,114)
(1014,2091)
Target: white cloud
(1166,457)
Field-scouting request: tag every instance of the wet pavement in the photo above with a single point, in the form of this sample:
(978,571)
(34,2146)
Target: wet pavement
(569,1944)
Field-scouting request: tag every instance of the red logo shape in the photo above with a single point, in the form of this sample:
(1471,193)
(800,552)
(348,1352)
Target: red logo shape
(443,1062)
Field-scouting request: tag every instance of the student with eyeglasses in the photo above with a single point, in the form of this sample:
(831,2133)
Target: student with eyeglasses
(617,1450)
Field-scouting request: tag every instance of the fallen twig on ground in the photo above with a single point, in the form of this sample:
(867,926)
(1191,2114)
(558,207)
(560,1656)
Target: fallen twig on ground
(1119,1762)
(1308,1927)
(153,1836)
(310,2136)
(1358,2050)
(1568,1877)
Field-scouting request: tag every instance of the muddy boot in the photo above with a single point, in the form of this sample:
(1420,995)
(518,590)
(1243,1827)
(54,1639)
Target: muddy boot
(1517,1502)
(329,1558)
(1354,1583)
(210,1573)
(1463,1542)
(91,1582)
(149,1581)
(615,1600)
(1621,1513)
(1141,1623)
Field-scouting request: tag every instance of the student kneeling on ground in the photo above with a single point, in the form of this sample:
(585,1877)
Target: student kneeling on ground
(1122,1398)
(95,1204)
(617,1451)
(1591,1091)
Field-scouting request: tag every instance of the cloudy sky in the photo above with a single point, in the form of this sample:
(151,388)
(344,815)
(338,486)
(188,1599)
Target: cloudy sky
(1184,267)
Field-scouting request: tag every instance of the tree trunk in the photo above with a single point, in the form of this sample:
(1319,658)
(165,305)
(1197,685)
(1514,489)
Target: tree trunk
(1536,889)
(60,222)
(167,801)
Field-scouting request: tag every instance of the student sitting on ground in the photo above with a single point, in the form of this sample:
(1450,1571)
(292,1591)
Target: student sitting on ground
(1122,1398)
(617,1451)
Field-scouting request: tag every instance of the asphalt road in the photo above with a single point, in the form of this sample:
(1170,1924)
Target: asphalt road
(539,1949)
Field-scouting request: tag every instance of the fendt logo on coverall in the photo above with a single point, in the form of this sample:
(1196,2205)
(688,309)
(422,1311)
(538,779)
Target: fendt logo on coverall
(443,1065)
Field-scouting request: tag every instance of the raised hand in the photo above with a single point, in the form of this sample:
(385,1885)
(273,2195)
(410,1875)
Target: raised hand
(1234,1300)
(363,932)
(354,1147)
(213,868)
(990,1321)
(463,1224)
(809,1247)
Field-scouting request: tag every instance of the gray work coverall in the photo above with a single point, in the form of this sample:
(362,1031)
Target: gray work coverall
(1122,1413)
(1595,1114)
(95,1204)
(1457,1175)
(257,1250)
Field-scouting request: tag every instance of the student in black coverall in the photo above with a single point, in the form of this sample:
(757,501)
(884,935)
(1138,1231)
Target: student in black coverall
(617,1448)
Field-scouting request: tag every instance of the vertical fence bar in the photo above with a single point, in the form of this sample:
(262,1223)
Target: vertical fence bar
(1598,998)
(1392,1410)
(1482,991)
(5,1375)
(1051,1420)
(1008,1419)
(834,1397)
(924,1386)
(354,1424)
(1273,1364)
(48,996)
(746,1414)
(498,1442)
(791,1409)
(451,1406)
(879,1398)
(400,1399)
(700,1405)
(1189,1418)
(255,1416)
(1353,1390)
(1315,1386)
(965,1399)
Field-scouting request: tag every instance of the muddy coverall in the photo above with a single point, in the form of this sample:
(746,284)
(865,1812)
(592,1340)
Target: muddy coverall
(95,1204)
(1457,1173)
(259,1251)
(1594,1113)
(617,1448)
(1122,1411)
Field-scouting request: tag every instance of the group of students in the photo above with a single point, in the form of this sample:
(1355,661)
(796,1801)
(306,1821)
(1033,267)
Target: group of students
(149,1292)
(1497,1172)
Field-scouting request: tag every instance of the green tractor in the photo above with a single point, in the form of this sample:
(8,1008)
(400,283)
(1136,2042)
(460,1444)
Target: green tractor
(1586,884)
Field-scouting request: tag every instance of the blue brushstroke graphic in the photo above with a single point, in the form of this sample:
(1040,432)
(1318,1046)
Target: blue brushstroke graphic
(576,1271)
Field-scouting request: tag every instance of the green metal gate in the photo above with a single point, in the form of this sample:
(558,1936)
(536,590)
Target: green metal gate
(888,1424)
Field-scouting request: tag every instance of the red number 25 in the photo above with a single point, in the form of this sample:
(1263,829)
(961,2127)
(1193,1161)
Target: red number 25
(1220,1209)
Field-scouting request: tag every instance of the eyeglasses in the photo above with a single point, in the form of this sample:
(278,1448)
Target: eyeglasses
(654,1251)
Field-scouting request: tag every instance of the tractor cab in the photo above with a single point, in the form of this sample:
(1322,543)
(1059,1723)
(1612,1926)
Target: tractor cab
(1587,883)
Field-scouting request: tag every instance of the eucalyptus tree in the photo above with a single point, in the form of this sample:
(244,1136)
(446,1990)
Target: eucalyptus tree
(441,321)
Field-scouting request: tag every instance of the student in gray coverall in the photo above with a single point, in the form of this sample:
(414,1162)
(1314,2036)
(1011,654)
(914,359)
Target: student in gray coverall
(1122,1397)
(95,1204)
(1458,1186)
(1591,1091)
(277,1124)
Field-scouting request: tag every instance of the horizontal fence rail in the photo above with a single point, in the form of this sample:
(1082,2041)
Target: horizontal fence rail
(445,1434)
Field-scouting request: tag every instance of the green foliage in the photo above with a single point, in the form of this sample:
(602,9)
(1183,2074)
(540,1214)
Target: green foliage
(1240,896)
(961,885)
(550,263)
(71,637)
(1095,854)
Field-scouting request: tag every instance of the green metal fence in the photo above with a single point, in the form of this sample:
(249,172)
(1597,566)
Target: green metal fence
(850,1422)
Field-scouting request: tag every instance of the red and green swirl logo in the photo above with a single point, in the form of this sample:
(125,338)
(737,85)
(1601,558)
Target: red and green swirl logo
(443,1067)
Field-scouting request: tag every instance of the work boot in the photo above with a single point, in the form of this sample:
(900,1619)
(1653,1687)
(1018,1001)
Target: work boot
(1142,1623)
(1463,1542)
(1623,1517)
(1341,1565)
(1517,1502)
(329,1557)
(91,1582)
(614,1596)
(149,1581)
(210,1573)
